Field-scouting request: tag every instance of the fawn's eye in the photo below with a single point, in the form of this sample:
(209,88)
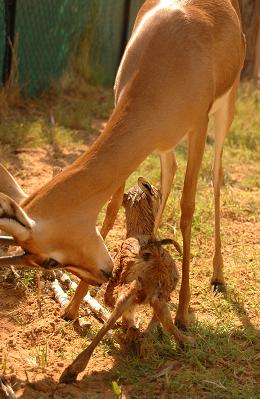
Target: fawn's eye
(147,256)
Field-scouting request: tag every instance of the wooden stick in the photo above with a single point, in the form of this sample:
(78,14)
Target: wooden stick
(60,295)
(99,310)
(63,279)
(93,304)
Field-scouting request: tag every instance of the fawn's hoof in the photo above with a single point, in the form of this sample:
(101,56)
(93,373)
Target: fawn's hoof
(190,341)
(217,286)
(133,334)
(187,342)
(67,377)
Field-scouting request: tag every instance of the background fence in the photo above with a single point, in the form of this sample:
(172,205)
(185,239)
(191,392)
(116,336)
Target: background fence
(49,34)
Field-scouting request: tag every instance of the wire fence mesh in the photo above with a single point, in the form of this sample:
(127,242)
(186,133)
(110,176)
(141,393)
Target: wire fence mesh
(50,34)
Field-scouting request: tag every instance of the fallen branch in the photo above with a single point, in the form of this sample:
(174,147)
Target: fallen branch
(100,311)
(63,279)
(60,295)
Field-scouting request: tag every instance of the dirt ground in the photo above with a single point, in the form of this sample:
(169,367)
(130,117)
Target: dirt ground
(35,344)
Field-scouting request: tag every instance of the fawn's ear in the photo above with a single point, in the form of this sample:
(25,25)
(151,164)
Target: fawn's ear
(13,219)
(145,186)
(125,197)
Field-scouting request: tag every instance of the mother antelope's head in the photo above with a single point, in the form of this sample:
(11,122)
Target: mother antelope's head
(50,246)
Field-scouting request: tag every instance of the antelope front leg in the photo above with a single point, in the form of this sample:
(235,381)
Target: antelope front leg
(71,311)
(126,300)
(112,210)
(195,154)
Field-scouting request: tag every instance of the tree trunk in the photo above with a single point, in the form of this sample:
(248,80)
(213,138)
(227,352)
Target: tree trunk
(250,11)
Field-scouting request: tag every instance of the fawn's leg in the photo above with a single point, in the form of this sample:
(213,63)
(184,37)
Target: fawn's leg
(126,300)
(71,311)
(163,313)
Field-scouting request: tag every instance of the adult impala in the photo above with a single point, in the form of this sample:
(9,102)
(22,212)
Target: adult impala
(182,62)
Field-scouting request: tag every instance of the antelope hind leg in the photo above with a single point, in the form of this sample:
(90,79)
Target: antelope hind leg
(222,120)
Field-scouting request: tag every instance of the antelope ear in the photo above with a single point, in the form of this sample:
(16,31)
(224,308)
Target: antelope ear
(13,219)
(9,185)
(145,186)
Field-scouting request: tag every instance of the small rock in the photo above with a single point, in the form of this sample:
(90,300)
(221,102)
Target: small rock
(84,322)
(60,364)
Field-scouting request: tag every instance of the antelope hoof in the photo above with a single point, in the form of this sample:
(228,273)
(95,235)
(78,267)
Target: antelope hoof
(67,315)
(217,287)
(67,377)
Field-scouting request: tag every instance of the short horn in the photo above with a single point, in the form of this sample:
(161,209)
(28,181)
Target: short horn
(168,241)
(7,240)
(25,260)
(165,241)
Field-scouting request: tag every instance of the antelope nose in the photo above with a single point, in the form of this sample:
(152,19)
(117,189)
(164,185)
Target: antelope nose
(106,274)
